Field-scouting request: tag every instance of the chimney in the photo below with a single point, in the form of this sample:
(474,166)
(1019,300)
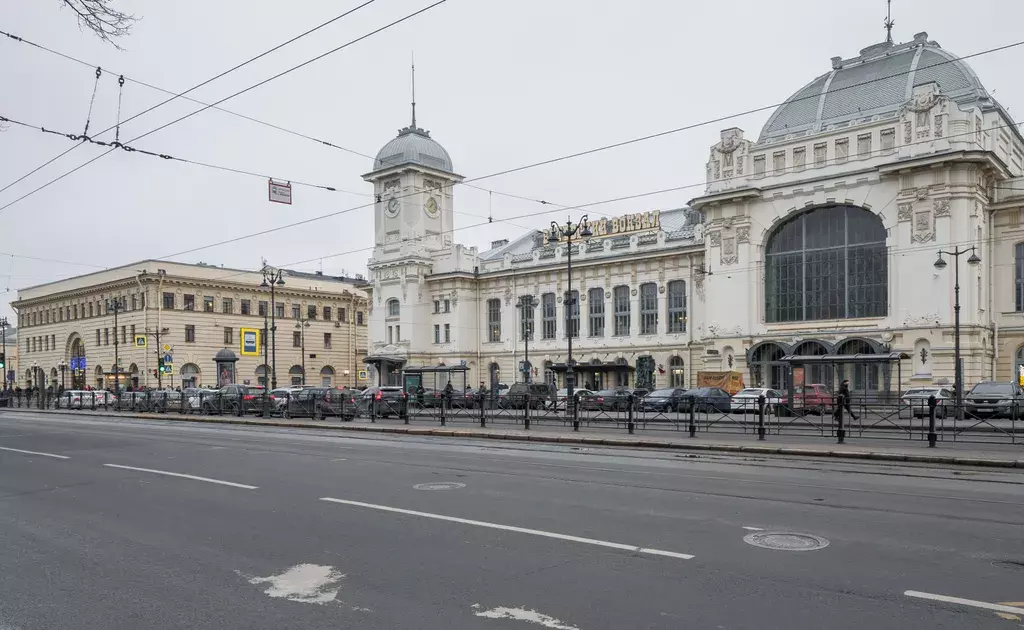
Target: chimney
(496,244)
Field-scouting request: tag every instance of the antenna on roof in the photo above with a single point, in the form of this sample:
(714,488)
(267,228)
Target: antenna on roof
(414,90)
(889,23)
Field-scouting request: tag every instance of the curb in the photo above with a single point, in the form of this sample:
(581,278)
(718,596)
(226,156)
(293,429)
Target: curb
(948,460)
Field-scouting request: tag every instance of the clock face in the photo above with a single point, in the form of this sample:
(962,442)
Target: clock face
(431,208)
(393,206)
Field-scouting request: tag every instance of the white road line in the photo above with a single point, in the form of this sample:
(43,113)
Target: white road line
(512,528)
(965,602)
(18,450)
(183,476)
(753,529)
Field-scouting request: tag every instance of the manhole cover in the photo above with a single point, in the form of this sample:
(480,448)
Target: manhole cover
(440,485)
(786,541)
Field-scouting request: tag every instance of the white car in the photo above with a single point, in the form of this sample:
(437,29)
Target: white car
(562,394)
(746,400)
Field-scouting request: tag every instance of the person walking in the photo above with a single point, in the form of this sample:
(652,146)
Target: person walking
(844,400)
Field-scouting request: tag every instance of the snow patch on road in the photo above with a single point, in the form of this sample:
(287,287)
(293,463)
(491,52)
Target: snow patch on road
(304,583)
(524,614)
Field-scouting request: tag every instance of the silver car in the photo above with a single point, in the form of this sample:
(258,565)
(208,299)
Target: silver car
(746,400)
(914,403)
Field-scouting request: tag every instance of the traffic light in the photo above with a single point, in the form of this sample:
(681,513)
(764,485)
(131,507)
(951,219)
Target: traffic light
(160,365)
(3,360)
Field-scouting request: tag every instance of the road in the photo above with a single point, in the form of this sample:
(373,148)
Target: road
(112,523)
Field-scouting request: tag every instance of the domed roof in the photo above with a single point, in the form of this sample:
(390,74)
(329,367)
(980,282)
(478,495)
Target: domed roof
(413,146)
(225,355)
(876,84)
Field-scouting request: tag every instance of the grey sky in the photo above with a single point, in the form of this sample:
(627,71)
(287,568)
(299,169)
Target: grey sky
(499,84)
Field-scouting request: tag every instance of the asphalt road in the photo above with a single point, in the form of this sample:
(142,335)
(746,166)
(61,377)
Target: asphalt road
(96,534)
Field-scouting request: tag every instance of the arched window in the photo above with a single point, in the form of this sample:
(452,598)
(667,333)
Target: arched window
(828,263)
(767,368)
(261,375)
(863,376)
(676,375)
(297,376)
(677,306)
(1018,277)
(814,372)
(394,309)
(326,376)
(190,375)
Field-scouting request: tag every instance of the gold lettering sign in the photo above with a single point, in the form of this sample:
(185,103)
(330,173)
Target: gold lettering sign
(626,224)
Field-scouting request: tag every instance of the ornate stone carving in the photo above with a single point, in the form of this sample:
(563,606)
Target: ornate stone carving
(905,212)
(924,227)
(508,296)
(729,256)
(718,169)
(941,207)
(922,194)
(716,239)
(743,234)
(731,139)
(455,298)
(392,183)
(432,184)
(907,133)
(728,221)
(927,318)
(938,125)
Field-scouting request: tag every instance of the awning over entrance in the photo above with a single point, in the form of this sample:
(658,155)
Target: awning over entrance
(844,358)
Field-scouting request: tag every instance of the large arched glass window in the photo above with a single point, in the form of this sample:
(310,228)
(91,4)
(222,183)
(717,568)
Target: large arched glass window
(394,309)
(828,263)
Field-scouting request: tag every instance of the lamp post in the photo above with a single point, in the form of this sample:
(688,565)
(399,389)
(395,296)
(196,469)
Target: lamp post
(302,325)
(526,303)
(115,305)
(271,278)
(581,230)
(63,366)
(3,332)
(940,264)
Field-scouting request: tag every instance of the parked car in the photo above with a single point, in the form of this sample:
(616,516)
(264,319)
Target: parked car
(136,401)
(536,395)
(281,396)
(162,401)
(814,398)
(663,400)
(235,399)
(197,397)
(388,400)
(614,399)
(86,399)
(707,399)
(322,402)
(991,399)
(914,403)
(747,400)
(558,403)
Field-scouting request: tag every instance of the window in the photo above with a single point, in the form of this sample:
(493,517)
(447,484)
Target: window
(279,310)
(133,333)
(327,313)
(494,320)
(398,333)
(779,162)
(165,299)
(228,337)
(296,338)
(75,311)
(572,313)
(327,341)
(53,342)
(864,145)
(106,336)
(190,302)
(97,336)
(261,308)
(142,300)
(677,306)
(526,321)
(296,311)
(343,314)
(437,333)
(447,306)
(246,307)
(124,334)
(359,318)
(391,334)
(311,312)
(394,309)
(227,306)
(1018,277)
(595,297)
(547,313)
(190,334)
(207,303)
(758,165)
(842,149)
(820,154)
(447,333)
(621,299)
(437,306)
(799,158)
(829,263)
(649,309)
(135,301)
(888,139)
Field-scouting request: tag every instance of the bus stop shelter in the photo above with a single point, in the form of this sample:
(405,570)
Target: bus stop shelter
(875,372)
(436,377)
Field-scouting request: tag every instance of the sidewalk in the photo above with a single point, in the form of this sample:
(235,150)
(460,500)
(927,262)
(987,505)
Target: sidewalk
(892,450)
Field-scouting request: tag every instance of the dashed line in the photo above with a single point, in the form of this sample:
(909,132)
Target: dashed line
(184,476)
(18,450)
(753,529)
(966,602)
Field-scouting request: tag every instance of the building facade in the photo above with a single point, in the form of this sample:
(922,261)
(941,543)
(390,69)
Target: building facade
(818,237)
(189,312)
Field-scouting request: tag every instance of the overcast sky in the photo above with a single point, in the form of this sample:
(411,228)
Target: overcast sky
(499,84)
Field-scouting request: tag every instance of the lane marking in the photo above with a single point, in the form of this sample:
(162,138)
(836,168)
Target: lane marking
(965,602)
(512,528)
(753,529)
(18,450)
(183,476)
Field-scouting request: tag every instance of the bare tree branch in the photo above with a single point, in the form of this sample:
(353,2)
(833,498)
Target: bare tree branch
(103,20)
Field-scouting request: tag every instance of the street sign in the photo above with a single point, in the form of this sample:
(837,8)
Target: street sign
(168,369)
(166,348)
(463,363)
(250,342)
(140,341)
(10,375)
(168,359)
(362,375)
(280,193)
(524,366)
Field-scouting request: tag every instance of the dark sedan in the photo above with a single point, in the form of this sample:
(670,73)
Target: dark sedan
(663,400)
(616,399)
(705,399)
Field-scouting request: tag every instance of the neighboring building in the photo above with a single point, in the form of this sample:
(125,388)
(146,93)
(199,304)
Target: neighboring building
(198,310)
(817,238)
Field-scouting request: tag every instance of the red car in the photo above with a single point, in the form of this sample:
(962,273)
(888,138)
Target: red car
(813,398)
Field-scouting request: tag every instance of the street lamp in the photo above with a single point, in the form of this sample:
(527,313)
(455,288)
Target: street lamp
(271,278)
(63,366)
(114,306)
(302,325)
(940,264)
(3,333)
(526,303)
(581,230)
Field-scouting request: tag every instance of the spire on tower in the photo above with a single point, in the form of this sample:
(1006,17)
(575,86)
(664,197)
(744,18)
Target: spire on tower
(889,23)
(414,90)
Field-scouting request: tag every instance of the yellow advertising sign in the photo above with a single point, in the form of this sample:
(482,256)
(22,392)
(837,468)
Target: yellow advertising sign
(250,340)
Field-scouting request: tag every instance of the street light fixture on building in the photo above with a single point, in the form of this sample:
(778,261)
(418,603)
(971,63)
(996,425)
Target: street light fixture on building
(940,264)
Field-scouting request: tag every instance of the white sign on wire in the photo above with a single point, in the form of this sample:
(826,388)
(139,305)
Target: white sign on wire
(280,193)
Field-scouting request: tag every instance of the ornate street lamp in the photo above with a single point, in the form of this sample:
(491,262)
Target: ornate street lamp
(940,264)
(526,303)
(272,278)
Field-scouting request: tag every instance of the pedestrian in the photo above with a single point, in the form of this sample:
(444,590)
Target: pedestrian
(449,391)
(844,400)
(420,392)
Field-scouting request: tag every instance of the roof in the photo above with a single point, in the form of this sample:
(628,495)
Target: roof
(875,84)
(413,146)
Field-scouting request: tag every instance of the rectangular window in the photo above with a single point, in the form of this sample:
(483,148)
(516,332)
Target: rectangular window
(190,302)
(90,305)
(758,165)
(571,305)
(447,306)
(296,311)
(437,333)
(779,162)
(494,320)
(595,298)
(621,299)
(97,336)
(190,334)
(135,301)
(75,311)
(142,301)
(864,145)
(207,303)
(820,154)
(261,308)
(447,333)
(227,306)
(296,338)
(124,334)
(359,318)
(547,313)
(527,314)
(677,306)
(53,342)
(245,307)
(398,334)
(842,150)
(311,312)
(106,336)
(1018,280)
(327,313)
(133,333)
(799,158)
(327,341)
(228,337)
(168,302)
(343,314)
(279,310)
(648,308)
(888,139)
(437,306)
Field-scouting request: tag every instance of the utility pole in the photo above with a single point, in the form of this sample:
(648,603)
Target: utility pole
(302,326)
(116,305)
(272,278)
(3,331)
